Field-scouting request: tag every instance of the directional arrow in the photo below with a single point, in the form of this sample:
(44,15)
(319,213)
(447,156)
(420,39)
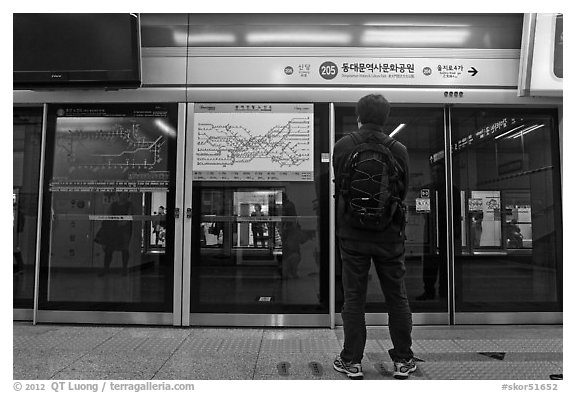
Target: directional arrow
(473,71)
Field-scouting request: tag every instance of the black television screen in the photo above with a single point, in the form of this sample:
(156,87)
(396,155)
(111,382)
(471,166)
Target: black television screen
(76,50)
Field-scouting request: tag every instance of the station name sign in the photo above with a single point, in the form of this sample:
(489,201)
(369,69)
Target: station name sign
(352,71)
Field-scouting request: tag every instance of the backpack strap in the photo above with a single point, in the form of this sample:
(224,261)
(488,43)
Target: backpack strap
(357,139)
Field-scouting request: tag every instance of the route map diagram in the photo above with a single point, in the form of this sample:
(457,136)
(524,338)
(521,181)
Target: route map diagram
(107,152)
(121,148)
(245,143)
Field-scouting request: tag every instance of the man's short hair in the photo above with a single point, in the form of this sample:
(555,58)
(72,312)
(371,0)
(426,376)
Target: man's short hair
(373,108)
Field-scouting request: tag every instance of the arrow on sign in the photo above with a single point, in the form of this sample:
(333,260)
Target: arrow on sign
(473,71)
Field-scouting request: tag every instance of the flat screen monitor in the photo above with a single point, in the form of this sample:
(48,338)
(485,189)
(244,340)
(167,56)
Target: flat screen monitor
(76,50)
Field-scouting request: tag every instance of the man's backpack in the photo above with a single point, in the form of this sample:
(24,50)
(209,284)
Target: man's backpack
(371,185)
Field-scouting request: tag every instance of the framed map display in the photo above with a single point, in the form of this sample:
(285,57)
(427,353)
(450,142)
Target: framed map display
(253,142)
(112,147)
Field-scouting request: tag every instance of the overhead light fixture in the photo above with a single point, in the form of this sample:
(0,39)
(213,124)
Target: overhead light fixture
(398,129)
(526,131)
(418,36)
(211,38)
(312,37)
(413,24)
(509,132)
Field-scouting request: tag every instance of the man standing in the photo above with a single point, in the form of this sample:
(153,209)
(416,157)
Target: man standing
(359,246)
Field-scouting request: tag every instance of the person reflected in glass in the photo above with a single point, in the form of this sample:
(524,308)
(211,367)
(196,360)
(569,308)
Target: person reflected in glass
(291,237)
(18,224)
(434,263)
(160,229)
(477,219)
(258,226)
(114,235)
(514,235)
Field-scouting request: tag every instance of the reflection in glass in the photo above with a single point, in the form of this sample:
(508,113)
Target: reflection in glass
(27,141)
(503,163)
(237,265)
(421,131)
(101,249)
(259,236)
(109,193)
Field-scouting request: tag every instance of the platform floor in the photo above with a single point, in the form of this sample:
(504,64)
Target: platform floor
(73,352)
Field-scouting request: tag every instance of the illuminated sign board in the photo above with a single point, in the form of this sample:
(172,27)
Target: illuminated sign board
(351,71)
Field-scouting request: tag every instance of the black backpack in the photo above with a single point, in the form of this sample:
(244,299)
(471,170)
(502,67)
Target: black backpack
(371,185)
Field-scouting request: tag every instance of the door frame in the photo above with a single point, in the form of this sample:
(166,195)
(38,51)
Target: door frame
(239,319)
(118,317)
(504,317)
(180,315)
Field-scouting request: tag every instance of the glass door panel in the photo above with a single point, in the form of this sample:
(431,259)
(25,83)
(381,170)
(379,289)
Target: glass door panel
(111,182)
(259,234)
(27,144)
(509,181)
(421,130)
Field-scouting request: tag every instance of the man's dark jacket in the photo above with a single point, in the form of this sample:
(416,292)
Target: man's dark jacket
(394,233)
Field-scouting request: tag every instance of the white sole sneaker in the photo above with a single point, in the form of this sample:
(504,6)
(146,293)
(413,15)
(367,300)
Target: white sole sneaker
(403,369)
(352,370)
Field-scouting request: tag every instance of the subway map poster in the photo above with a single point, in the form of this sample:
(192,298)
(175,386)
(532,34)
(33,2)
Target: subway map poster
(253,142)
(111,148)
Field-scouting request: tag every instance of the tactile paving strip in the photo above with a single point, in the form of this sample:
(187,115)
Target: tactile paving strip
(375,345)
(288,345)
(121,344)
(447,370)
(478,345)
(452,357)
(514,370)
(153,333)
(160,345)
(382,369)
(37,342)
(385,344)
(32,330)
(95,351)
(240,345)
(225,332)
(201,344)
(319,345)
(432,346)
(372,346)
(81,343)
(530,345)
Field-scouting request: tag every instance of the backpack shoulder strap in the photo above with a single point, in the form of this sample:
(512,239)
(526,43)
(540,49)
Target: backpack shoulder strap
(355,137)
(390,142)
(358,139)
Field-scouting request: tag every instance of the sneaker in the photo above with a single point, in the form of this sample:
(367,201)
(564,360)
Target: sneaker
(352,370)
(403,368)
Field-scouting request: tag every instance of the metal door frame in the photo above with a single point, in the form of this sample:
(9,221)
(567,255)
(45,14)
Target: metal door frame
(228,319)
(181,315)
(121,317)
(485,318)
